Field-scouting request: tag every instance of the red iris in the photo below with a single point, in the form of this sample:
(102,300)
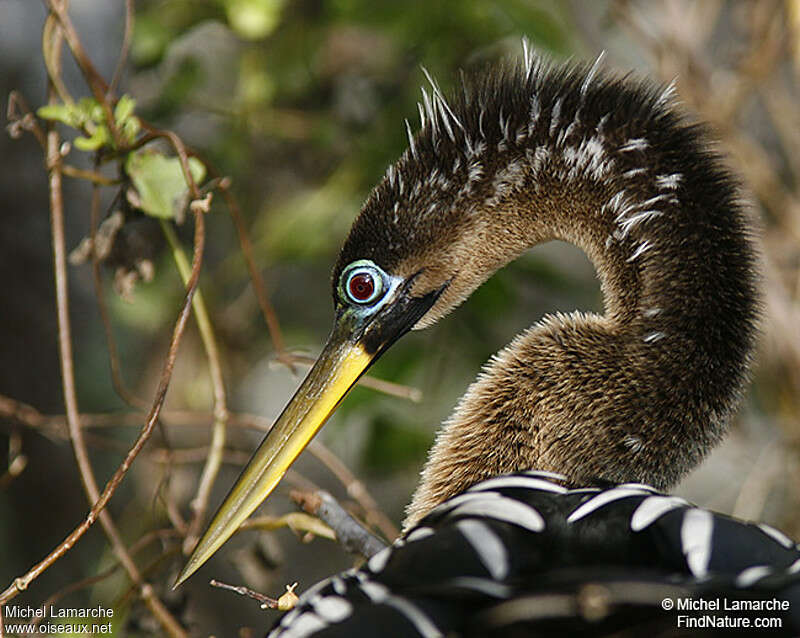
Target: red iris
(361,286)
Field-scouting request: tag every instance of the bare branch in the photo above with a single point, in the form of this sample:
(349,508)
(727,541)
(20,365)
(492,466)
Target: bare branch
(287,601)
(124,49)
(53,426)
(199,503)
(353,536)
(169,624)
(21,118)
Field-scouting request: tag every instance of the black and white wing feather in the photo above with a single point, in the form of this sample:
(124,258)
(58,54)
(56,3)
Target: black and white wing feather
(523,555)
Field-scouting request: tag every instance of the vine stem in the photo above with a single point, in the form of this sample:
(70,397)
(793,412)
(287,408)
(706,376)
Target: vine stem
(100,500)
(219,429)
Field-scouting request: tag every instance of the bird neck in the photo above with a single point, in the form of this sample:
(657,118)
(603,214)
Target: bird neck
(642,392)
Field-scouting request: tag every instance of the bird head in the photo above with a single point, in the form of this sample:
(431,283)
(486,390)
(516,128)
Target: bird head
(426,237)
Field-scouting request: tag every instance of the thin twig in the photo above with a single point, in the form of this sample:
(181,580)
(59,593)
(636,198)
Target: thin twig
(295,521)
(52,42)
(169,624)
(53,425)
(266,601)
(373,383)
(98,501)
(123,51)
(286,602)
(199,503)
(351,534)
(91,176)
(21,118)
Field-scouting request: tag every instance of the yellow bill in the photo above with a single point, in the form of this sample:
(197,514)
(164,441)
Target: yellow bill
(339,366)
(363,330)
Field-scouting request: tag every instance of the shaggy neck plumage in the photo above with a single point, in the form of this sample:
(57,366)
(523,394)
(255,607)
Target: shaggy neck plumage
(532,154)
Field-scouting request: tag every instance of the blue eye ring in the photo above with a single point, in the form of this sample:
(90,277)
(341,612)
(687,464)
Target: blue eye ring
(363,283)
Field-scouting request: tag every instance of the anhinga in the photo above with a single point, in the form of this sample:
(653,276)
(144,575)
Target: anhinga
(538,485)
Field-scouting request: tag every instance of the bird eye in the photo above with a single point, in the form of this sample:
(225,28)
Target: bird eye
(363,283)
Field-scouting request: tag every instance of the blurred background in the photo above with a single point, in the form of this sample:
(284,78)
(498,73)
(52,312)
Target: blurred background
(301,104)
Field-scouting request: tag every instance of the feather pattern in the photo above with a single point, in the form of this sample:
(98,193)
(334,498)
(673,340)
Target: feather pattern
(629,543)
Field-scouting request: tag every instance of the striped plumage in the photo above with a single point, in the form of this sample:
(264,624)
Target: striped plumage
(521,555)
(523,154)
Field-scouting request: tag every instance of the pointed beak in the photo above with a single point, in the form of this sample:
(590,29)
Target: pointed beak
(353,345)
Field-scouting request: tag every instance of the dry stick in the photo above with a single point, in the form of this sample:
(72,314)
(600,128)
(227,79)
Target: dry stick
(199,503)
(31,417)
(91,176)
(350,533)
(124,49)
(52,40)
(169,624)
(355,489)
(266,601)
(25,121)
(295,521)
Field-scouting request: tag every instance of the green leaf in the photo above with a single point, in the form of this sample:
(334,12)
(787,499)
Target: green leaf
(125,120)
(124,109)
(100,137)
(131,128)
(59,113)
(160,183)
(89,110)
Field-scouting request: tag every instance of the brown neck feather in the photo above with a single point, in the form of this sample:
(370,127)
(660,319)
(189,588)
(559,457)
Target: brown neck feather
(644,391)
(526,154)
